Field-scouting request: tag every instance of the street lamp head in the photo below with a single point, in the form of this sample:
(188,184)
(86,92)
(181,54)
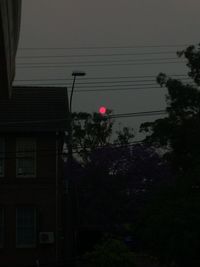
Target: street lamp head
(75,74)
(78,73)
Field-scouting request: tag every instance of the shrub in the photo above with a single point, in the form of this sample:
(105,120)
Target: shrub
(111,253)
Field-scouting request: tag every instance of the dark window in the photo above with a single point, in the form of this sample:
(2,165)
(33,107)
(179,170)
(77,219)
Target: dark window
(26,227)
(26,157)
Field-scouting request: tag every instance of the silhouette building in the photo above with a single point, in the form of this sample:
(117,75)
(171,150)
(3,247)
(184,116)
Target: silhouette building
(32,126)
(33,121)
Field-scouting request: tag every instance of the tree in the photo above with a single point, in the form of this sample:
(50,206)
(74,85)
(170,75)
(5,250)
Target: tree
(168,227)
(116,181)
(179,132)
(169,224)
(111,253)
(91,131)
(115,176)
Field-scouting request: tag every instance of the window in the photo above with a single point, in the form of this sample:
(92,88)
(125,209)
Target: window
(26,227)
(26,158)
(1,227)
(2,156)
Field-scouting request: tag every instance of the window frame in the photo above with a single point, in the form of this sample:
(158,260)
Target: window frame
(2,174)
(26,139)
(34,244)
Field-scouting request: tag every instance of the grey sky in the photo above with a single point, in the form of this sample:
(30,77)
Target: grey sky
(109,22)
(83,23)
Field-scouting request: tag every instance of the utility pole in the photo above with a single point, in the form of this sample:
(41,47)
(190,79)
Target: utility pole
(71,187)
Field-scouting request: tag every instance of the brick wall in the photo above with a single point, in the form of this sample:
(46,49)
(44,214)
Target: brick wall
(41,192)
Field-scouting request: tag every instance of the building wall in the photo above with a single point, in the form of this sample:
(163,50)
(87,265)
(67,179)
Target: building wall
(44,192)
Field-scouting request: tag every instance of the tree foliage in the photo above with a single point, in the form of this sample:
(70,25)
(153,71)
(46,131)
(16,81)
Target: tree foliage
(111,253)
(91,131)
(179,132)
(116,181)
(169,225)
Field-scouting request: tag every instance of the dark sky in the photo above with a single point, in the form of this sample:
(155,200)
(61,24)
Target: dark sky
(138,24)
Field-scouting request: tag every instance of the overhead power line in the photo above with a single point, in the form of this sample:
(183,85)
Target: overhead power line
(93,83)
(105,47)
(95,61)
(117,89)
(113,85)
(100,78)
(95,55)
(133,114)
(144,113)
(99,86)
(102,86)
(61,66)
(115,82)
(110,89)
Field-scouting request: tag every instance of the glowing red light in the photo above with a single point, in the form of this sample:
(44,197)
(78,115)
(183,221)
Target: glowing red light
(102,110)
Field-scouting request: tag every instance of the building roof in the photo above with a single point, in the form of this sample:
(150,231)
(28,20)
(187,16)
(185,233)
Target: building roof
(34,109)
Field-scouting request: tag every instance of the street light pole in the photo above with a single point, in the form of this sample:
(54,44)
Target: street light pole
(72,198)
(75,74)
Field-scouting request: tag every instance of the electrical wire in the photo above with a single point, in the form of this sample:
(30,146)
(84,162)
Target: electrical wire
(106,86)
(133,114)
(100,78)
(113,90)
(91,62)
(95,55)
(96,65)
(113,84)
(106,82)
(144,113)
(119,82)
(104,47)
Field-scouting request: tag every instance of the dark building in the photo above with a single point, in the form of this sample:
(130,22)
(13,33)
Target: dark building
(32,126)
(10,15)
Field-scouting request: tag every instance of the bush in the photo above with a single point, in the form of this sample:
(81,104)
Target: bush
(111,253)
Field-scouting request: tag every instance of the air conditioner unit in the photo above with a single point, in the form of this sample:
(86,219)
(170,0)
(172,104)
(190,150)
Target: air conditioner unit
(46,237)
(20,171)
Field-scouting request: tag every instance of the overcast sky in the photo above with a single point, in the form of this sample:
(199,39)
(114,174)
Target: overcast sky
(107,23)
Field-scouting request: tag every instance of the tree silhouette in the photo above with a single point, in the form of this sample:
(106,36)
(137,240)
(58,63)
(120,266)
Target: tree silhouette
(179,132)
(91,131)
(169,225)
